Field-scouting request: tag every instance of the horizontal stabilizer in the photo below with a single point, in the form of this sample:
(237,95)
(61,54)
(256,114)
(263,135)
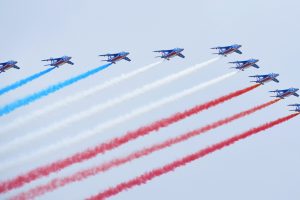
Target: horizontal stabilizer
(162,51)
(109,54)
(255,76)
(294,105)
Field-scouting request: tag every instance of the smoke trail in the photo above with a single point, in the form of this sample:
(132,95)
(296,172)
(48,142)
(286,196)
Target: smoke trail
(100,128)
(78,176)
(24,81)
(98,108)
(114,143)
(45,92)
(68,100)
(144,178)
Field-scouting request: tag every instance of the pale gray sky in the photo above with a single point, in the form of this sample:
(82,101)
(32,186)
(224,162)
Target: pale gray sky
(265,166)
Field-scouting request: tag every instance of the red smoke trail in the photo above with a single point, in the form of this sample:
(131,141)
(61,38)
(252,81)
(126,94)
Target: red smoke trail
(60,182)
(144,178)
(116,142)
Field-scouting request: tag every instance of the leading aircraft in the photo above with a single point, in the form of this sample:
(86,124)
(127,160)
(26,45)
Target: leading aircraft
(262,79)
(285,93)
(115,57)
(167,54)
(242,65)
(56,62)
(224,51)
(297,107)
(7,65)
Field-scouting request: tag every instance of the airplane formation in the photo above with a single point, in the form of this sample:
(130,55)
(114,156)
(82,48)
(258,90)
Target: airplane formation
(171,53)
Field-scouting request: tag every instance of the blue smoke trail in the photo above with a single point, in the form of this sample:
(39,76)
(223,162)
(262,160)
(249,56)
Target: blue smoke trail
(35,96)
(24,81)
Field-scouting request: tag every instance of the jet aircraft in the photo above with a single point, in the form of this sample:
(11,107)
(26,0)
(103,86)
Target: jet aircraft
(8,65)
(56,62)
(113,58)
(167,54)
(262,79)
(297,107)
(242,65)
(285,93)
(224,51)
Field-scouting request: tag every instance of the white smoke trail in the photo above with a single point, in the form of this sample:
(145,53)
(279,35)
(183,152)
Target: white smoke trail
(27,139)
(112,123)
(66,101)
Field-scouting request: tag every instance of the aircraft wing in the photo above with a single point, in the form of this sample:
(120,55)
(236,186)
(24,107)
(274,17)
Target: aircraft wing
(238,51)
(128,59)
(71,63)
(296,95)
(255,65)
(16,67)
(3,63)
(275,91)
(276,80)
(181,55)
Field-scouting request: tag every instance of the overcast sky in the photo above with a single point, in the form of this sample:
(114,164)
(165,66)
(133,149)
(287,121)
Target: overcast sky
(265,166)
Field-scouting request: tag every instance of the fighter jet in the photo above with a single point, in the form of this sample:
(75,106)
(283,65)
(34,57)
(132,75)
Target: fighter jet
(242,65)
(56,62)
(167,54)
(224,51)
(262,79)
(297,107)
(7,65)
(113,58)
(285,93)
